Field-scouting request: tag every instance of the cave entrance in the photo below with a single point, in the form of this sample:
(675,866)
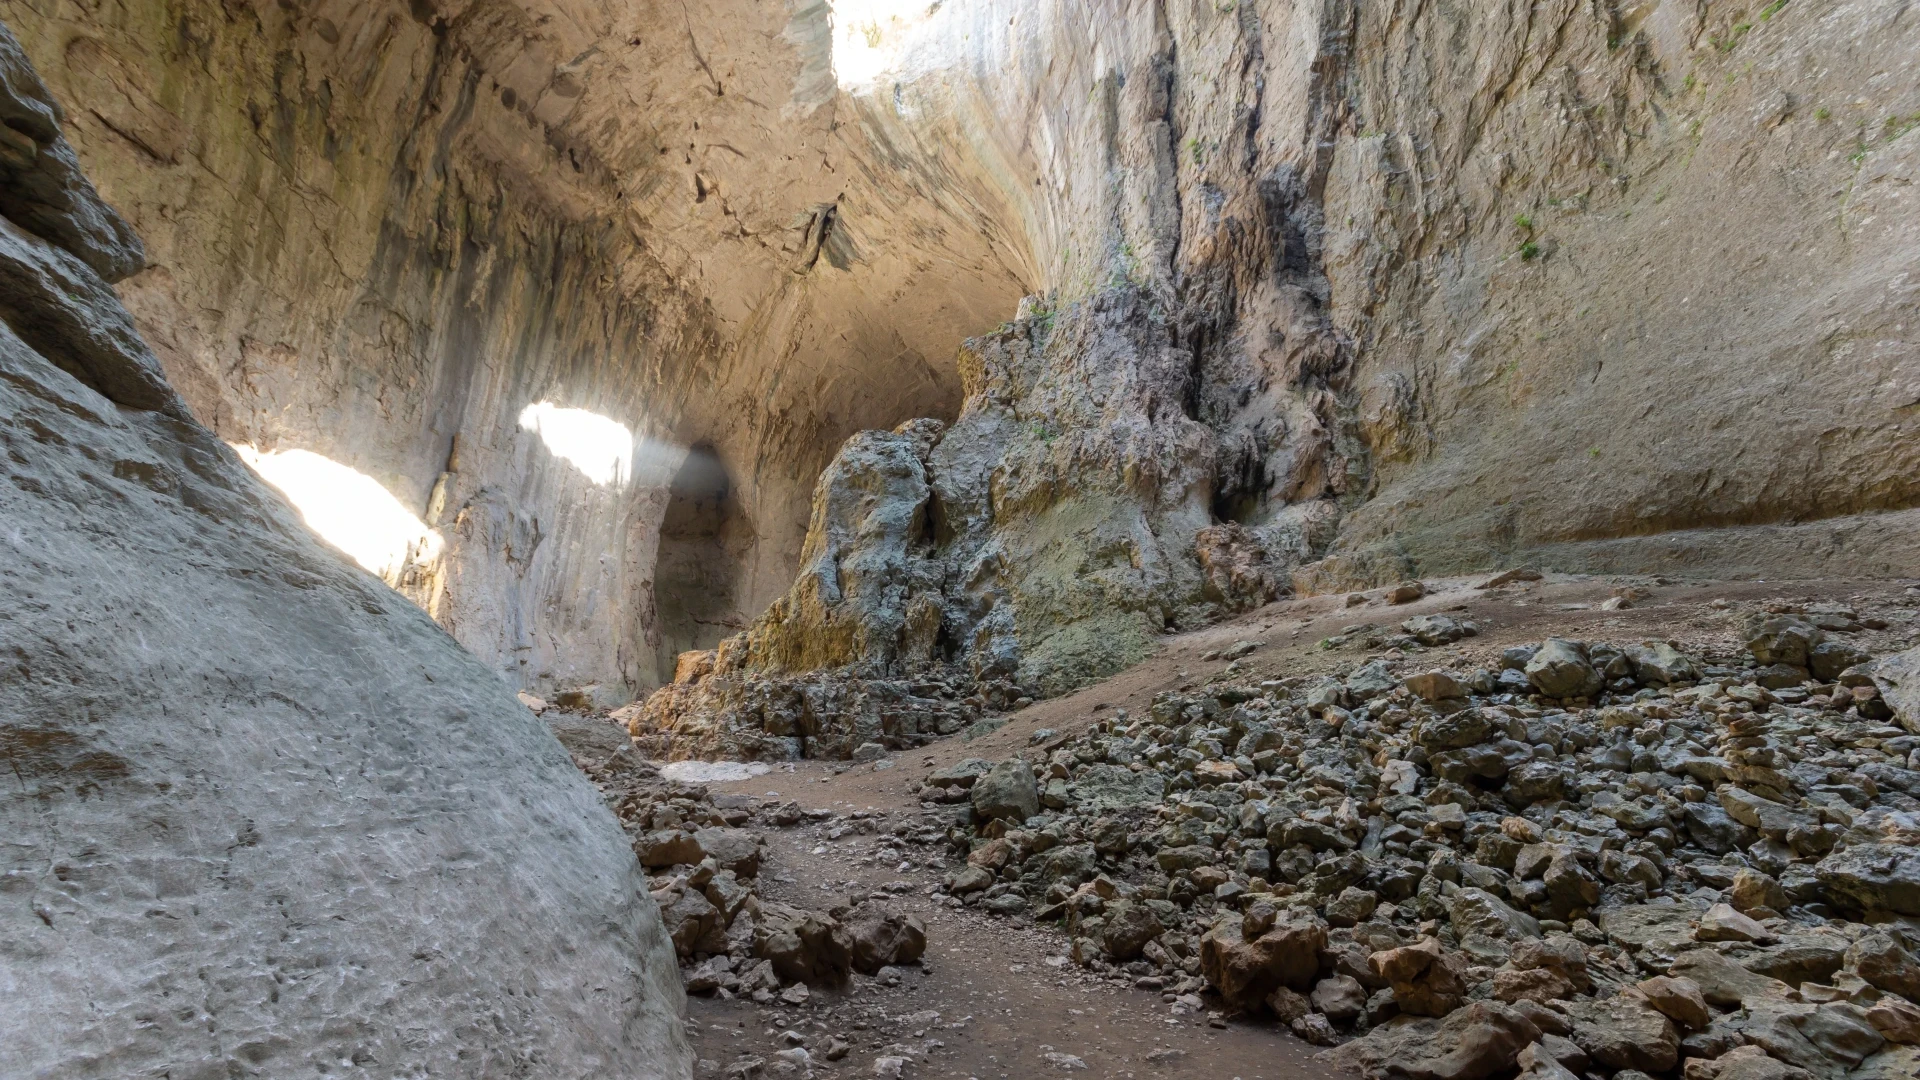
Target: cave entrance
(704,540)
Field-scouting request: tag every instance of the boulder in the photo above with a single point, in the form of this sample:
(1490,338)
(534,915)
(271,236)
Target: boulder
(1105,788)
(1482,1040)
(1009,792)
(1881,960)
(1755,893)
(1537,1062)
(1722,923)
(1898,678)
(884,939)
(803,946)
(1896,1018)
(1476,911)
(1770,819)
(737,850)
(1435,630)
(1435,686)
(1782,639)
(1660,664)
(667,847)
(1341,998)
(1560,669)
(1245,972)
(960,774)
(1426,979)
(1744,1063)
(1128,929)
(689,917)
(1803,954)
(1725,983)
(1625,1032)
(1893,1063)
(1680,999)
(1874,877)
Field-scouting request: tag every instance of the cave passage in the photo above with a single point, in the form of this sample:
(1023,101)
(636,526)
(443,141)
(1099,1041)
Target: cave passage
(704,542)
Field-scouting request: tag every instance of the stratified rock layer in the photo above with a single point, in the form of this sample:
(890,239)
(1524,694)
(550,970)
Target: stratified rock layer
(262,816)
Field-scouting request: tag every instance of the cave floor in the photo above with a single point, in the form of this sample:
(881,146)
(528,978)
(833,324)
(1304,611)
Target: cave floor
(996,997)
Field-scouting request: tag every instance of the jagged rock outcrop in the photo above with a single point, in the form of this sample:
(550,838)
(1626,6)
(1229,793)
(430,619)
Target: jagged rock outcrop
(261,816)
(1045,539)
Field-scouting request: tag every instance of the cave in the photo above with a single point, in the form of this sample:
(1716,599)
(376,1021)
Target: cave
(1203,410)
(704,543)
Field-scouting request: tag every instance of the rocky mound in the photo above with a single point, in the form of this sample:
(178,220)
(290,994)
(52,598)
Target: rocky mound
(262,817)
(1598,858)
(1046,539)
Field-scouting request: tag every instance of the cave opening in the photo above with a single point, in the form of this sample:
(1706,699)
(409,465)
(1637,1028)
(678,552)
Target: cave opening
(705,540)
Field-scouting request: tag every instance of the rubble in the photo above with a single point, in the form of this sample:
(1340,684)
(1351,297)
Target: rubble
(1615,856)
(706,858)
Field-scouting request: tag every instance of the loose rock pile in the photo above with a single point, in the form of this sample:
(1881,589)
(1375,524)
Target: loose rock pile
(705,863)
(1595,858)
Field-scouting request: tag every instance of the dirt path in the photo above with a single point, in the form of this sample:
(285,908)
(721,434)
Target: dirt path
(996,997)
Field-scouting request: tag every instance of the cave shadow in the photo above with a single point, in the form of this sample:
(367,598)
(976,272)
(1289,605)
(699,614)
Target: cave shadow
(705,539)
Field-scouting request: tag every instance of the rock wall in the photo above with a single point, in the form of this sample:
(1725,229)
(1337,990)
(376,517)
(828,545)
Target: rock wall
(379,231)
(262,816)
(1597,287)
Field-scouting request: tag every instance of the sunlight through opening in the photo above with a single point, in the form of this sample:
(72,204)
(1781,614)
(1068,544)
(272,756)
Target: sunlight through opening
(348,508)
(601,448)
(869,35)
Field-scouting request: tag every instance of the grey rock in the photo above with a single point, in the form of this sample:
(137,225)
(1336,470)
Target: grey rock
(1898,678)
(1782,639)
(42,188)
(1724,982)
(1660,664)
(1874,877)
(1102,789)
(1560,669)
(1625,1032)
(1715,830)
(1369,681)
(1009,791)
(276,763)
(737,850)
(1481,1040)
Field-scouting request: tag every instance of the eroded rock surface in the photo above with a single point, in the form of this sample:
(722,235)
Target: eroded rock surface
(262,816)
(1435,336)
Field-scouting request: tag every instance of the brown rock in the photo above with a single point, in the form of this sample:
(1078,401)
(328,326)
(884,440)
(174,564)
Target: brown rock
(667,847)
(1896,1018)
(803,946)
(1427,980)
(880,939)
(1536,984)
(1246,972)
(1723,982)
(1680,999)
(1722,923)
(1881,960)
(1757,894)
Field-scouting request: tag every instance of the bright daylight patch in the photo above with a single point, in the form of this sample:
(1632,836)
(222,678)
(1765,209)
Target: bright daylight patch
(348,508)
(868,36)
(601,448)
